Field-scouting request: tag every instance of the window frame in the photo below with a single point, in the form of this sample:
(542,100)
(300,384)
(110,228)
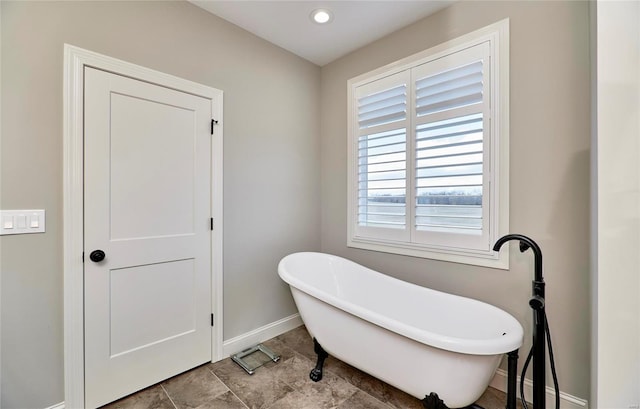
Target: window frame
(497,36)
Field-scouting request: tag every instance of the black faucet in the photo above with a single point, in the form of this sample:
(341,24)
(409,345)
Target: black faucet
(525,244)
(537,304)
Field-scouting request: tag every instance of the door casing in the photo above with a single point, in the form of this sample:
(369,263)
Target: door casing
(75,60)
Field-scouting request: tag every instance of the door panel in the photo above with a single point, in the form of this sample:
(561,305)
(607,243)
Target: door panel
(147,206)
(168,171)
(168,309)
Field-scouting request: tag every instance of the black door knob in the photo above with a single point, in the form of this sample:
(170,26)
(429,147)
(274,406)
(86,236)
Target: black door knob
(97,255)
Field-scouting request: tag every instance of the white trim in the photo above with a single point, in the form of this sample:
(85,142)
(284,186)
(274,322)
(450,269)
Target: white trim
(73,228)
(75,59)
(217,247)
(58,406)
(567,401)
(261,334)
(408,249)
(459,250)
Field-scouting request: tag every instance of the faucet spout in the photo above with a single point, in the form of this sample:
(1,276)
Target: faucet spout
(525,244)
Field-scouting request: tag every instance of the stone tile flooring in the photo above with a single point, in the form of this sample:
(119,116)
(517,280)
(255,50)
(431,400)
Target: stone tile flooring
(281,385)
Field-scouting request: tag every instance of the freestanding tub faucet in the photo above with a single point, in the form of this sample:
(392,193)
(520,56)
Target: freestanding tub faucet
(540,323)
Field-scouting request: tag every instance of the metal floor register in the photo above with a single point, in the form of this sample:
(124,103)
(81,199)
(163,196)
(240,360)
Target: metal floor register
(249,367)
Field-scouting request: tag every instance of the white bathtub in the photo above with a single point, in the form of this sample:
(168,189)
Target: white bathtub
(414,338)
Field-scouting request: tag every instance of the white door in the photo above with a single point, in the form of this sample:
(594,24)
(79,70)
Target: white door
(147,192)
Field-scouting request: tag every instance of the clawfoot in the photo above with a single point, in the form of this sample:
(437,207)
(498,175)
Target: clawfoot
(433,401)
(316,373)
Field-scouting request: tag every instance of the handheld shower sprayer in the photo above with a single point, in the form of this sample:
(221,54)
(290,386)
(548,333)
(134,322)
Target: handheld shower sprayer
(541,327)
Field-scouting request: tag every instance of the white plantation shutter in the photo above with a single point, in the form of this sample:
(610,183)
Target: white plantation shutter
(424,155)
(454,88)
(383,107)
(452,107)
(382,118)
(449,177)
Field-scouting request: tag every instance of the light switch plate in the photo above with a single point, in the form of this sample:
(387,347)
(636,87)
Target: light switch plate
(22,221)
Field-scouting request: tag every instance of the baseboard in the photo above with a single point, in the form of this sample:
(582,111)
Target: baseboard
(276,328)
(249,339)
(566,401)
(261,334)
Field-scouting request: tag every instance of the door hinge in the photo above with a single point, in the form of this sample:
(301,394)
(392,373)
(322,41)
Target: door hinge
(213,122)
(212,320)
(212,224)
(83,256)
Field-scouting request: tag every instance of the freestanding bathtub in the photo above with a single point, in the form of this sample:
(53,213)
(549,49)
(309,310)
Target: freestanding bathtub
(417,339)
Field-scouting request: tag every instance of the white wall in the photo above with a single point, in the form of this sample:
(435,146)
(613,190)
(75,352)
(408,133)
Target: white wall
(271,162)
(617,227)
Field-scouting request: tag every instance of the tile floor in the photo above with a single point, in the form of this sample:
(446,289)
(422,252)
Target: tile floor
(281,385)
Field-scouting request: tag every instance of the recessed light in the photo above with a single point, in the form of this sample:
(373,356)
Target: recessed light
(321,16)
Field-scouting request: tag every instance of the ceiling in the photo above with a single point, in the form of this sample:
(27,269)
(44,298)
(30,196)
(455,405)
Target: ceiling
(355,23)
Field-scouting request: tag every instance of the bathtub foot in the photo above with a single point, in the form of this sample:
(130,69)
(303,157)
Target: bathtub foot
(316,373)
(511,379)
(433,401)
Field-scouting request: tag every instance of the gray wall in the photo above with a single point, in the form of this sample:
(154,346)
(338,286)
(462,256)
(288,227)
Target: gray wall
(271,168)
(549,155)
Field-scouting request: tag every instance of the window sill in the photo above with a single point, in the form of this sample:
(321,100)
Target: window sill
(489,259)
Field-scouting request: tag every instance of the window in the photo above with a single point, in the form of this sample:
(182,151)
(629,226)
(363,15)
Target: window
(428,152)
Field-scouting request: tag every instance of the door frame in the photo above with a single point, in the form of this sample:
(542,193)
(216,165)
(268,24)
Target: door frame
(75,60)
